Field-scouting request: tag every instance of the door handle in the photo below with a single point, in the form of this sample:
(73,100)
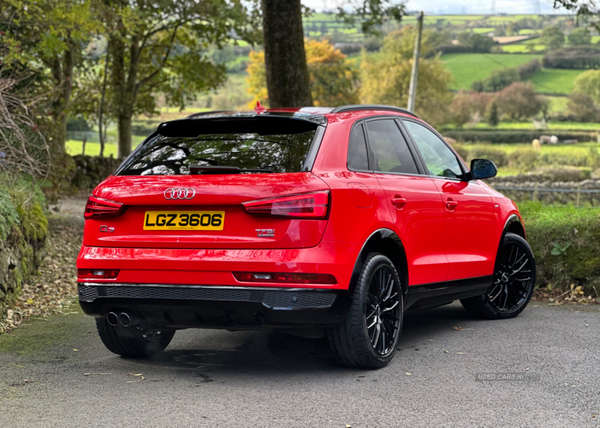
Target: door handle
(399,201)
(451,204)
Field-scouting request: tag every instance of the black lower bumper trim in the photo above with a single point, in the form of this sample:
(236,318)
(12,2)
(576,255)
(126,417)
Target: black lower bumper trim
(217,307)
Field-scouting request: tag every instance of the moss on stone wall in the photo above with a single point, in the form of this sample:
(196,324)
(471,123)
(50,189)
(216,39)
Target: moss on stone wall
(23,232)
(8,213)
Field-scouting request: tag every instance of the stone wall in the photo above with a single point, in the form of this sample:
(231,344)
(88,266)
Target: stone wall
(23,234)
(540,188)
(91,170)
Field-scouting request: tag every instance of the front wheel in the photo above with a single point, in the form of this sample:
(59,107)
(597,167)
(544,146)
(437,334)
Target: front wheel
(133,341)
(513,283)
(368,336)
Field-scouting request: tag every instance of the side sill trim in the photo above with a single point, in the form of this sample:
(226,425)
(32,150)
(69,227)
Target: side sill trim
(429,295)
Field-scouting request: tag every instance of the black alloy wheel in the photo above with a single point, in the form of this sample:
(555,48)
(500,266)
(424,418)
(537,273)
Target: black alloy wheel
(368,336)
(382,315)
(513,283)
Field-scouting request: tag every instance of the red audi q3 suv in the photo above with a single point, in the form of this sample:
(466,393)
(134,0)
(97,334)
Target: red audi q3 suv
(340,218)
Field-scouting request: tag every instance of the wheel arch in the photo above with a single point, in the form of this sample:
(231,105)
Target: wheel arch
(514,224)
(386,242)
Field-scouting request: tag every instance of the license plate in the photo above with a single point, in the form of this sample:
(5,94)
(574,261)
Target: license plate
(184,220)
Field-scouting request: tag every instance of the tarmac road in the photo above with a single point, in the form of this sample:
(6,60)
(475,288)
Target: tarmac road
(56,372)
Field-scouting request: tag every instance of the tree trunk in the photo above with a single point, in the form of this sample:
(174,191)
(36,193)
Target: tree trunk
(288,81)
(101,131)
(62,74)
(117,52)
(126,86)
(124,129)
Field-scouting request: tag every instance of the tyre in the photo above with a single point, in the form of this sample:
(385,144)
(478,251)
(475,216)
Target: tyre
(133,341)
(513,283)
(368,336)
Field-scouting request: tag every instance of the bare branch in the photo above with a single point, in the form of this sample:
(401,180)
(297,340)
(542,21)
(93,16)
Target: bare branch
(162,64)
(22,147)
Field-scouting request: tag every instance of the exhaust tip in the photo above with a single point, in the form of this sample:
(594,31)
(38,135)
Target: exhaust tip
(112,319)
(124,319)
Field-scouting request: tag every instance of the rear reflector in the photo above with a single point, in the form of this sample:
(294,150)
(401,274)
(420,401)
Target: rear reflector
(310,206)
(97,273)
(297,278)
(100,207)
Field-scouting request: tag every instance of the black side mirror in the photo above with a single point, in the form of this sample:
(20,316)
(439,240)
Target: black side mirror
(483,168)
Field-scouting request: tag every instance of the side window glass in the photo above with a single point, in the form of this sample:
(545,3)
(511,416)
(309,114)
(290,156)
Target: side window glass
(390,151)
(440,160)
(357,150)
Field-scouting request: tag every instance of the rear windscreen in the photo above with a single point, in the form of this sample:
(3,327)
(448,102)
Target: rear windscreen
(164,155)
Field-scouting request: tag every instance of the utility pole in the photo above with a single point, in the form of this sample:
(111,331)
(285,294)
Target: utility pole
(414,75)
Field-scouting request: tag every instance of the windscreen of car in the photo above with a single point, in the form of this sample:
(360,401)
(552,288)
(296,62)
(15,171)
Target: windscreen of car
(245,144)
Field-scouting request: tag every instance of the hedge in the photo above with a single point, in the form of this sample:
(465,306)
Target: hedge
(577,58)
(566,244)
(496,136)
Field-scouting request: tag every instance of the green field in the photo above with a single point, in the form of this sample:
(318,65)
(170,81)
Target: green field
(467,68)
(93,149)
(527,31)
(555,81)
(523,48)
(558,104)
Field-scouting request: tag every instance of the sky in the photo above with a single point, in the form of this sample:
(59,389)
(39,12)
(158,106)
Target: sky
(474,7)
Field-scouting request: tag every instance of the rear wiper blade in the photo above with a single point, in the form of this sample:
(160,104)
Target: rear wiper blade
(201,169)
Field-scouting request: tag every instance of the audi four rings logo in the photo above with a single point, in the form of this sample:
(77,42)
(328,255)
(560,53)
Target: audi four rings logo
(180,193)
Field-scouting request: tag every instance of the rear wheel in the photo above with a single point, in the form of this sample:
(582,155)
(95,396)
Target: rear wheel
(512,287)
(134,341)
(368,336)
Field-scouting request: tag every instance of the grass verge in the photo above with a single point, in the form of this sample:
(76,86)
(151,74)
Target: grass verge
(566,244)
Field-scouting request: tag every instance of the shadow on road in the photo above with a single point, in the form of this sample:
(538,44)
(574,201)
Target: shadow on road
(262,352)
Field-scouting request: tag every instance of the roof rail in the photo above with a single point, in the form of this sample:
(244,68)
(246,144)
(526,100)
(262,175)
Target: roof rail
(358,107)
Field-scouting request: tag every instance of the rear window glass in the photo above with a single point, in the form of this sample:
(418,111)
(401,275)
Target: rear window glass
(162,155)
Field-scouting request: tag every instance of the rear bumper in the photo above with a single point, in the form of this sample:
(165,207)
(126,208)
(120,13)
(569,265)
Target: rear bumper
(215,267)
(234,308)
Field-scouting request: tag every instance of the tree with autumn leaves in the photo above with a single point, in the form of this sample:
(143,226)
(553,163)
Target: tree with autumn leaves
(385,76)
(333,77)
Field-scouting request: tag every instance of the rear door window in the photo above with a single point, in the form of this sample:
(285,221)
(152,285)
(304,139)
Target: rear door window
(389,148)
(357,150)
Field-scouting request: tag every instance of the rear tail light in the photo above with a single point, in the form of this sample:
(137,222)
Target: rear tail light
(100,207)
(297,278)
(311,206)
(97,273)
